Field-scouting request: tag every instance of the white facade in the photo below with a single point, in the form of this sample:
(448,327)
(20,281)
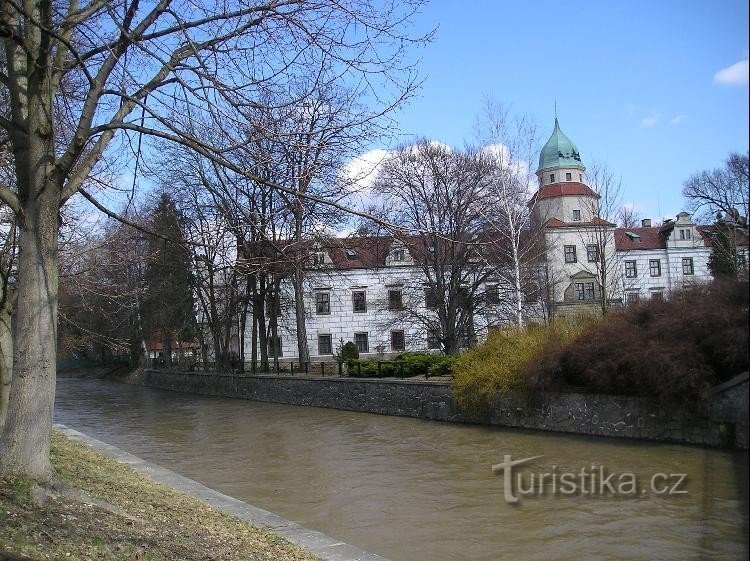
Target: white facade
(356,303)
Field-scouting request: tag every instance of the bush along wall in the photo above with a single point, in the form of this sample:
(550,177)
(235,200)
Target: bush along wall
(405,365)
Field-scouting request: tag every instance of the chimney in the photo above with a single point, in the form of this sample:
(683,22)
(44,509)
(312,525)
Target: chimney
(646,223)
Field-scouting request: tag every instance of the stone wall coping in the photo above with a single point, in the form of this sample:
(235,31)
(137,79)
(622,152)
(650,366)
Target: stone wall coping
(337,379)
(731,383)
(317,543)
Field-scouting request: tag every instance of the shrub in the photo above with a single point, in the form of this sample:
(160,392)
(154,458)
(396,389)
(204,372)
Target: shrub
(672,351)
(496,366)
(405,364)
(348,352)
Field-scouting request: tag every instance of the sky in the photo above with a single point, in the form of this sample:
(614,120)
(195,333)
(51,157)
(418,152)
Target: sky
(656,90)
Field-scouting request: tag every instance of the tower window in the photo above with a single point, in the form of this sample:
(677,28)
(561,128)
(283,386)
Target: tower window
(551,177)
(568,177)
(580,177)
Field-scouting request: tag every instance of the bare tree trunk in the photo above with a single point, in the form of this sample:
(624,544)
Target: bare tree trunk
(299,296)
(6,358)
(24,447)
(517,287)
(299,312)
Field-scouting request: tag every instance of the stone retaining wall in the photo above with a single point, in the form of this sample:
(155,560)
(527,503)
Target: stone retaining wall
(723,424)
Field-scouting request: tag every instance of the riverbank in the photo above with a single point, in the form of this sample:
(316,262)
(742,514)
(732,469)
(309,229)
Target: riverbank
(722,422)
(106,511)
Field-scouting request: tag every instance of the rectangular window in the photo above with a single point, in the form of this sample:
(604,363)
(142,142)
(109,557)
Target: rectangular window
(323,302)
(319,258)
(430,298)
(658,296)
(576,215)
(395,299)
(584,290)
(398,343)
(398,255)
(325,345)
(493,294)
(687,265)
(589,291)
(592,253)
(654,266)
(570,254)
(275,350)
(568,177)
(433,338)
(685,234)
(633,297)
(551,177)
(359,301)
(360,339)
(631,269)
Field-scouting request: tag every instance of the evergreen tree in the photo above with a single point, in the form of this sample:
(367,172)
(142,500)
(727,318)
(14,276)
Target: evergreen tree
(168,288)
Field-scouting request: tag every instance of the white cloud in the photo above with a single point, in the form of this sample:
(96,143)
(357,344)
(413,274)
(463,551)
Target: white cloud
(677,119)
(735,75)
(650,120)
(360,172)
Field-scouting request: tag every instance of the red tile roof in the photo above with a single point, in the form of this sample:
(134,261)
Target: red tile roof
(649,238)
(565,189)
(596,221)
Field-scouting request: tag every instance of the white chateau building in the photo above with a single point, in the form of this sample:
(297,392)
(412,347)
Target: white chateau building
(356,288)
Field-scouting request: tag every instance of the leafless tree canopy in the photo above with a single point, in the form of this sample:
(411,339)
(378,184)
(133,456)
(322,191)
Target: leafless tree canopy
(722,190)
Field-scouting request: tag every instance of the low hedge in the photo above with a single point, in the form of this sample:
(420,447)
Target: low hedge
(405,364)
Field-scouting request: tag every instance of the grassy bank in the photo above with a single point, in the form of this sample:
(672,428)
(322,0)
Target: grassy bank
(110,512)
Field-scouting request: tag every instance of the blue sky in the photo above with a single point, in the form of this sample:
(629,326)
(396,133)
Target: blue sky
(635,82)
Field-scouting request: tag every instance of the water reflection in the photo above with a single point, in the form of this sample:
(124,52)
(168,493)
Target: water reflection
(415,490)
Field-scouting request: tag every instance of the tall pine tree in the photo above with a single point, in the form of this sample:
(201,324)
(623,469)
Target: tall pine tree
(168,289)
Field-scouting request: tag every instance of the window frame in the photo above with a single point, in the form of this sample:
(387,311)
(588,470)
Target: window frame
(631,269)
(363,302)
(433,338)
(568,176)
(651,263)
(576,215)
(400,293)
(430,298)
(330,344)
(319,301)
(596,253)
(691,269)
(570,251)
(366,342)
(403,340)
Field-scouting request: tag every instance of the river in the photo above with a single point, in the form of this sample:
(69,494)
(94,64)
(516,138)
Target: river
(414,490)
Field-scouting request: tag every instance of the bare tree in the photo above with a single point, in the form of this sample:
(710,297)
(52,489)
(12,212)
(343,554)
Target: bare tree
(519,246)
(598,235)
(441,195)
(722,190)
(135,63)
(628,217)
(8,258)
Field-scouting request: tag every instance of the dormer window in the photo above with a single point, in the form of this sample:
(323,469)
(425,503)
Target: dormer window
(685,233)
(568,177)
(398,255)
(577,215)
(351,254)
(551,177)
(319,258)
(633,237)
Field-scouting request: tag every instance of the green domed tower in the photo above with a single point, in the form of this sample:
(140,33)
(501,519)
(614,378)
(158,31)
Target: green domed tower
(560,161)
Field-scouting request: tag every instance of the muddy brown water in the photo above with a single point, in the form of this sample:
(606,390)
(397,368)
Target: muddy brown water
(414,490)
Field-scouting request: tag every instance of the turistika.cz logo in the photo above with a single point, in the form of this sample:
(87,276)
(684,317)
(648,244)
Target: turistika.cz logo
(589,480)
